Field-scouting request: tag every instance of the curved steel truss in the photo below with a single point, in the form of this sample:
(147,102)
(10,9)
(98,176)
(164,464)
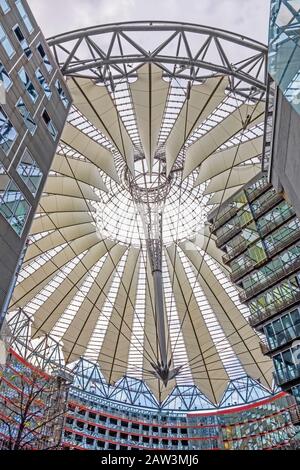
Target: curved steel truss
(184,51)
(46,354)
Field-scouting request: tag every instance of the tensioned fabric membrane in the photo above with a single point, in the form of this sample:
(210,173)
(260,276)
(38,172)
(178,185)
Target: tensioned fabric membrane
(87,278)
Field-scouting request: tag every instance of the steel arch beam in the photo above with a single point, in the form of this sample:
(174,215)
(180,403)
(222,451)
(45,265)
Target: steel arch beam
(81,51)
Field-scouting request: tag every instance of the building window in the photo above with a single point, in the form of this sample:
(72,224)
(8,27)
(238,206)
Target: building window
(8,133)
(28,85)
(4,6)
(24,16)
(61,94)
(6,44)
(28,119)
(23,43)
(44,56)
(13,205)
(4,77)
(284,329)
(30,172)
(44,84)
(50,126)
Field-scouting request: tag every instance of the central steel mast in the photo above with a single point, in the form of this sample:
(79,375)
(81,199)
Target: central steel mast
(150,200)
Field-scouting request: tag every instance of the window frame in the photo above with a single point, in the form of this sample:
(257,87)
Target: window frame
(28,84)
(5,39)
(23,42)
(25,119)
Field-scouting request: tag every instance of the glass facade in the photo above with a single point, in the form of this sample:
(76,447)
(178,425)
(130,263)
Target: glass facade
(261,242)
(13,205)
(6,43)
(4,6)
(23,42)
(24,16)
(30,172)
(44,84)
(283,329)
(4,77)
(28,85)
(44,56)
(25,113)
(32,406)
(287,365)
(89,423)
(8,134)
(49,124)
(61,94)
(284,49)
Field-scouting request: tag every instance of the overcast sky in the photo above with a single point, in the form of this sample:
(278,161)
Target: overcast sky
(247,17)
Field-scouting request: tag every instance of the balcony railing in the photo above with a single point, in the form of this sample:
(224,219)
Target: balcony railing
(284,243)
(286,375)
(263,231)
(273,278)
(259,190)
(273,309)
(240,273)
(270,226)
(236,251)
(295,415)
(280,340)
(228,235)
(223,218)
(273,201)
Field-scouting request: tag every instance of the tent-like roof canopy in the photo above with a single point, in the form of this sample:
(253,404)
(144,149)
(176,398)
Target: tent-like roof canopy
(87,279)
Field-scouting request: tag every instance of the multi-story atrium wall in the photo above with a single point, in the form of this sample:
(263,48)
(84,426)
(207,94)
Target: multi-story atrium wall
(32,116)
(284,70)
(260,232)
(93,423)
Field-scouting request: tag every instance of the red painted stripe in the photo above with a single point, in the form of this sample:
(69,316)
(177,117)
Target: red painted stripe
(238,409)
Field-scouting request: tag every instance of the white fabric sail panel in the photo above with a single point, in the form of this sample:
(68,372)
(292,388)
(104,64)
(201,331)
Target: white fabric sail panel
(236,176)
(223,160)
(149,94)
(32,285)
(53,308)
(53,204)
(243,117)
(203,100)
(242,338)
(80,330)
(85,172)
(113,356)
(94,102)
(59,220)
(207,243)
(57,238)
(91,150)
(222,196)
(65,186)
(159,390)
(207,370)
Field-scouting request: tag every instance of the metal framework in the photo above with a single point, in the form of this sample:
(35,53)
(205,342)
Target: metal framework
(187,51)
(128,392)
